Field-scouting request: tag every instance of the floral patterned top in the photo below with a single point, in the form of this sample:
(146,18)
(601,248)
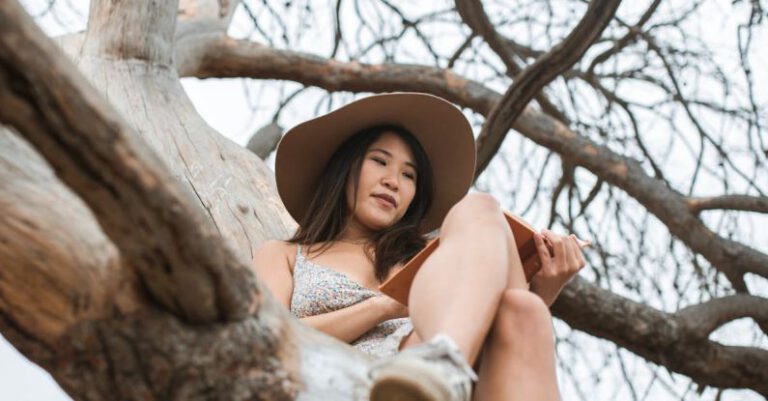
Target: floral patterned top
(318,289)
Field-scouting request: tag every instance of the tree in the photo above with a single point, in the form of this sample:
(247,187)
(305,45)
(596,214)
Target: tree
(128,222)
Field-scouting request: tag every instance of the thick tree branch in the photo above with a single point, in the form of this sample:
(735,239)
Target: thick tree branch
(757,204)
(196,16)
(139,30)
(196,19)
(224,57)
(666,339)
(707,317)
(536,76)
(201,18)
(57,268)
(141,207)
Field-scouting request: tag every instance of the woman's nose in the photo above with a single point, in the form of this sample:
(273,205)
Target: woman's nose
(390,181)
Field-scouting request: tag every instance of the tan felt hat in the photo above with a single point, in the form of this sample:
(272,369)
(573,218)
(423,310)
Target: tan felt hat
(440,127)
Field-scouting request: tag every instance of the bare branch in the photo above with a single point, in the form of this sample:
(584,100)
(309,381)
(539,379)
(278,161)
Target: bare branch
(226,57)
(661,337)
(530,81)
(757,204)
(627,39)
(337,29)
(473,14)
(704,318)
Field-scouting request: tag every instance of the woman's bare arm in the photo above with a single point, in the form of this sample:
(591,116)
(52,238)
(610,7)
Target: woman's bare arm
(349,323)
(273,267)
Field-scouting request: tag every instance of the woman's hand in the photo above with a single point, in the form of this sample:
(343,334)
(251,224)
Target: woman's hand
(390,308)
(558,266)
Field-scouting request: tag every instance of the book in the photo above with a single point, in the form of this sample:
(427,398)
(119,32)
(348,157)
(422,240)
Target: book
(398,286)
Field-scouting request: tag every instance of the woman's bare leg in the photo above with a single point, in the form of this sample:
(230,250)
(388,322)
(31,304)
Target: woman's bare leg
(458,288)
(519,356)
(475,275)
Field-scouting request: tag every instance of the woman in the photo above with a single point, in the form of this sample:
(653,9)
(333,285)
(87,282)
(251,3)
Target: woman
(365,183)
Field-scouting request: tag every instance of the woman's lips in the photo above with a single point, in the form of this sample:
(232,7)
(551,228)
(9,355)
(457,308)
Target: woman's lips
(386,200)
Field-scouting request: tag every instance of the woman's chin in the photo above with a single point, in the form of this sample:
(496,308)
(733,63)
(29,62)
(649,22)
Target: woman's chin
(379,223)
(376,218)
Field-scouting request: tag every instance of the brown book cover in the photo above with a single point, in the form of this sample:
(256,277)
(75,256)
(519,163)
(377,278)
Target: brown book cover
(399,284)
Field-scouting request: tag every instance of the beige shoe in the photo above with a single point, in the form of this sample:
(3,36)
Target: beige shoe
(432,371)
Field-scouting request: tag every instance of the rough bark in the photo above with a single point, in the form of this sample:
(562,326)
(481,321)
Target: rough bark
(58,268)
(140,206)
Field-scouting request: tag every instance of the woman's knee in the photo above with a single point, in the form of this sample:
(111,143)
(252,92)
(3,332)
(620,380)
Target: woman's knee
(522,314)
(473,207)
(477,202)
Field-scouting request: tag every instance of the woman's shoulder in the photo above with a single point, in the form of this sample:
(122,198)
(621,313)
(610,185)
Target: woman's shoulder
(278,245)
(276,251)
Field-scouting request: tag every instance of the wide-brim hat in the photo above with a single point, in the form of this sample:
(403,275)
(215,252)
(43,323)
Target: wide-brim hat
(441,129)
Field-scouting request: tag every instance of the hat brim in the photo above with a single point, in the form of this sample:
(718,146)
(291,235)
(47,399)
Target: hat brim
(441,129)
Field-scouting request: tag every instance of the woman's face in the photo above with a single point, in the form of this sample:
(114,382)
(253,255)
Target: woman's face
(387,184)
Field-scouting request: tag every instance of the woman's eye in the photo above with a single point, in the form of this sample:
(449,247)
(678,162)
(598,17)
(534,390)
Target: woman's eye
(379,161)
(410,176)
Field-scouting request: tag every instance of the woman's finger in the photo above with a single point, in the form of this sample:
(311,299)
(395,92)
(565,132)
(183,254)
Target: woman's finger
(558,246)
(581,242)
(570,255)
(573,253)
(542,249)
(579,253)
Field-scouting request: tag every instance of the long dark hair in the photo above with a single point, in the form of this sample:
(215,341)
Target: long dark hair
(328,211)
